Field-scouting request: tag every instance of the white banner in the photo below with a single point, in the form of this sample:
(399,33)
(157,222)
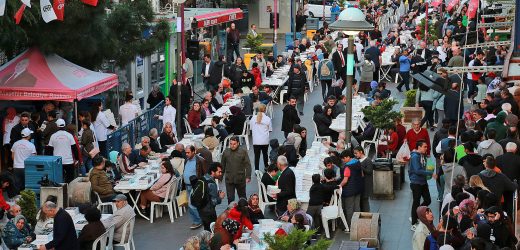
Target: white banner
(27,3)
(2,7)
(47,11)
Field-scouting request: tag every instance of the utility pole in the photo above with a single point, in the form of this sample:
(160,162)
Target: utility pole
(181,58)
(350,81)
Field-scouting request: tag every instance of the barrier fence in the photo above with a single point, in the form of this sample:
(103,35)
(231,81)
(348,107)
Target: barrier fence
(135,129)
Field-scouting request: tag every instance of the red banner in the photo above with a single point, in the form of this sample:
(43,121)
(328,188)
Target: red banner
(211,19)
(59,9)
(451,4)
(19,14)
(472,8)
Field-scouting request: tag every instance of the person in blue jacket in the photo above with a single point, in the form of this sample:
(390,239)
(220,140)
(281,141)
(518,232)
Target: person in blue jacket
(418,179)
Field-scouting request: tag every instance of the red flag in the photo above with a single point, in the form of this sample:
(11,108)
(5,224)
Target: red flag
(436,3)
(59,9)
(90,2)
(451,4)
(19,14)
(472,8)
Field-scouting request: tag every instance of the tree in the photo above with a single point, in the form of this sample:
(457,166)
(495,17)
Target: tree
(88,35)
(27,203)
(295,240)
(382,116)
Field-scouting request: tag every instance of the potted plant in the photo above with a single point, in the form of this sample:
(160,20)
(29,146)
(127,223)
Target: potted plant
(296,240)
(409,101)
(27,203)
(383,115)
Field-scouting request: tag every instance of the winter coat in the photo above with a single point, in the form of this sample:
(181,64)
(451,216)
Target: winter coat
(236,165)
(450,170)
(290,117)
(497,183)
(498,126)
(100,183)
(322,121)
(417,169)
(419,236)
(490,147)
(472,164)
(509,164)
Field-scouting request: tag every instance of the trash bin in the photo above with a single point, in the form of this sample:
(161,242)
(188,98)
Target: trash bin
(383,188)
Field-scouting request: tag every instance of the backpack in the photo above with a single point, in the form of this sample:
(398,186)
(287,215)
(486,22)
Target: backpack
(433,242)
(200,195)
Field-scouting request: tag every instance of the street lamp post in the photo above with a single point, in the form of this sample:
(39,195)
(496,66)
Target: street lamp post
(350,21)
(182,57)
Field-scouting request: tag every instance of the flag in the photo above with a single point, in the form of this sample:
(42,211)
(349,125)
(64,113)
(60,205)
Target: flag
(47,11)
(472,8)
(2,7)
(19,14)
(451,4)
(59,8)
(90,2)
(27,3)
(436,3)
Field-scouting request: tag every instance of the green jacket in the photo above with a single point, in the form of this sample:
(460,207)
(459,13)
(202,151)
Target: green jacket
(100,183)
(498,126)
(237,166)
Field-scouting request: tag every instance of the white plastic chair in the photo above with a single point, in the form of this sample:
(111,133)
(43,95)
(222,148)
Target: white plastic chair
(318,137)
(269,109)
(187,126)
(127,243)
(110,244)
(366,143)
(337,212)
(168,202)
(264,200)
(102,204)
(245,133)
(102,241)
(212,227)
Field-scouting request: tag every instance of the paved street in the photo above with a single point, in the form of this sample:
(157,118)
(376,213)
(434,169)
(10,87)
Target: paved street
(395,229)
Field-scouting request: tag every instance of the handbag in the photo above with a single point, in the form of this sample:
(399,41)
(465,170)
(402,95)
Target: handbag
(330,212)
(92,153)
(182,199)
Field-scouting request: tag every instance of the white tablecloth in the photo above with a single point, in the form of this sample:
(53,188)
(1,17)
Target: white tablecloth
(358,103)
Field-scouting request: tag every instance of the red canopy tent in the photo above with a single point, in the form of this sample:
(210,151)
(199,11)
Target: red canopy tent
(34,76)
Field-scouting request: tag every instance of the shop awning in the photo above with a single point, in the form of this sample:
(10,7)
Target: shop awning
(218,16)
(34,76)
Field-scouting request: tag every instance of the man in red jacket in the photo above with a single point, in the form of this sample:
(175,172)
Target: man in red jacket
(417,133)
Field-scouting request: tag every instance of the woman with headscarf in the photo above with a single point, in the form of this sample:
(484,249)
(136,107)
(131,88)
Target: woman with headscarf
(424,229)
(155,97)
(290,150)
(255,213)
(235,123)
(17,233)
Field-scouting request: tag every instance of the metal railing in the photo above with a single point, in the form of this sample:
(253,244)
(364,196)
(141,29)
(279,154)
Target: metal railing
(135,129)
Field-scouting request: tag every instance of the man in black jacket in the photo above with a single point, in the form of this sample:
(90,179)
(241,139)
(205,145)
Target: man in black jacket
(339,60)
(63,232)
(16,131)
(185,96)
(368,168)
(497,183)
(471,162)
(287,185)
(297,86)
(509,163)
(290,116)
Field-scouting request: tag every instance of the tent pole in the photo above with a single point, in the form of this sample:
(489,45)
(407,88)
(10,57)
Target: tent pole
(76,111)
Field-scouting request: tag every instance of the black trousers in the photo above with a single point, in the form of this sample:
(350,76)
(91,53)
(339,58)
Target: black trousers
(418,191)
(103,148)
(230,190)
(263,149)
(69,172)
(207,217)
(428,112)
(325,85)
(19,178)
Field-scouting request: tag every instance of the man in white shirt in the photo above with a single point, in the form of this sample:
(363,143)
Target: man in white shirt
(128,111)
(21,150)
(64,145)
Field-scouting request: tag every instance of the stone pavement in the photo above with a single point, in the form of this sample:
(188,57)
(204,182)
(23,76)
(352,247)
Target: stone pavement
(395,226)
